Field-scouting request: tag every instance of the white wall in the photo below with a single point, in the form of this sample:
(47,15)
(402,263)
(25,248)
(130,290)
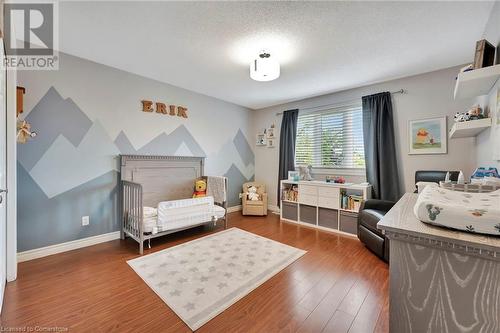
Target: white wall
(485,141)
(428,95)
(486,148)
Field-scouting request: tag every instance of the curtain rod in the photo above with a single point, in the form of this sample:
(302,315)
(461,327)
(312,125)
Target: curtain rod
(400,91)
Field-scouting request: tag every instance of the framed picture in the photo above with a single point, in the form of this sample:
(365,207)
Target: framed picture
(427,136)
(261,140)
(270,133)
(271,143)
(294,175)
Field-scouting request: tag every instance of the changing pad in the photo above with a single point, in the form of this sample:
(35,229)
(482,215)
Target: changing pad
(471,212)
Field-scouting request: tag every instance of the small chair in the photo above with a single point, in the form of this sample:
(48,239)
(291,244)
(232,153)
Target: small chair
(254,207)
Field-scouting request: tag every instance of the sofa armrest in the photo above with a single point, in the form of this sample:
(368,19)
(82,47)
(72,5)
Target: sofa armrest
(383,205)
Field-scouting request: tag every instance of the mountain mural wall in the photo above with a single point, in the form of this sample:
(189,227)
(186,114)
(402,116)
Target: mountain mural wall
(71,169)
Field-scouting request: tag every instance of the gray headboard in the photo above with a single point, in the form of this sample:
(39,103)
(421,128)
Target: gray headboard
(162,177)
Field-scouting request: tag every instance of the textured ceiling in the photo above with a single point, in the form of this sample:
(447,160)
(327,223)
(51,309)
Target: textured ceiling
(323,46)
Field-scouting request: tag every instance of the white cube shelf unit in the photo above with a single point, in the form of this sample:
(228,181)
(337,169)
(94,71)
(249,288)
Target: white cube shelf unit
(320,204)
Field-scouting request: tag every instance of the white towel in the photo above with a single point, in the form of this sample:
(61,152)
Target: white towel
(216,188)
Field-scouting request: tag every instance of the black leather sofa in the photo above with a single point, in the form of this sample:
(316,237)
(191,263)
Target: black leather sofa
(373,210)
(370,213)
(434,176)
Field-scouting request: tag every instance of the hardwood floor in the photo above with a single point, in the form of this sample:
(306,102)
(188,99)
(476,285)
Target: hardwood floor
(338,286)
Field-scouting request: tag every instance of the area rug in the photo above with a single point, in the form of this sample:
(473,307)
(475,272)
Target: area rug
(201,278)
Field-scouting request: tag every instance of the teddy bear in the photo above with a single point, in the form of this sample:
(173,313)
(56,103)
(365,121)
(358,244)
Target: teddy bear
(252,193)
(475,113)
(200,188)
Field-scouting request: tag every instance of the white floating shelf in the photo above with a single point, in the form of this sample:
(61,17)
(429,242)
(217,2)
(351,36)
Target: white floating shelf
(476,82)
(470,128)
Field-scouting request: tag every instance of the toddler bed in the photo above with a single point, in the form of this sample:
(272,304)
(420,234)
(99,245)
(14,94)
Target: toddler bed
(156,196)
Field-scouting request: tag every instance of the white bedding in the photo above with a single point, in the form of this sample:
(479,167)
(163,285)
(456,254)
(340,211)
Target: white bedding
(472,212)
(176,214)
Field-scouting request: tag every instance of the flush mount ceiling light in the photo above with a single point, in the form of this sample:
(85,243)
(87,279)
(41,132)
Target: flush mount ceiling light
(264,68)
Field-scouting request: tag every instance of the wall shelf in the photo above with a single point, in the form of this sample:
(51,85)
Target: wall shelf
(476,82)
(470,128)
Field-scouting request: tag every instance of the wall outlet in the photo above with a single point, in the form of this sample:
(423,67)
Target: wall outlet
(85,220)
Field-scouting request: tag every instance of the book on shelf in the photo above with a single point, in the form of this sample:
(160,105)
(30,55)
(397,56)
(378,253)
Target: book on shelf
(351,201)
(290,194)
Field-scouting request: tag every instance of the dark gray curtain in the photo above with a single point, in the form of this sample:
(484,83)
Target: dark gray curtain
(380,147)
(288,134)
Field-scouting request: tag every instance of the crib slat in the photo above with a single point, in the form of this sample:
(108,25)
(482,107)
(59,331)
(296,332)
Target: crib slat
(136,211)
(125,206)
(132,208)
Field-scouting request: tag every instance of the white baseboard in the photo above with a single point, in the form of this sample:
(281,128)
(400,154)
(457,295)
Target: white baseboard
(68,246)
(274,209)
(234,209)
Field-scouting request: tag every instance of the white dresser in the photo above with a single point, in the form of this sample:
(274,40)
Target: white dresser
(323,205)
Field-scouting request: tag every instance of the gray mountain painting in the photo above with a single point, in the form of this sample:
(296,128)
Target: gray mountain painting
(51,117)
(163,144)
(44,221)
(70,170)
(243,148)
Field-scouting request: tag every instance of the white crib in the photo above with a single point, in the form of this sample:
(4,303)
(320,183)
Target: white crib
(147,181)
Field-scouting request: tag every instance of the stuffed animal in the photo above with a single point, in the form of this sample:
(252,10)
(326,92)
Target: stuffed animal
(305,172)
(461,116)
(200,188)
(24,131)
(475,113)
(252,193)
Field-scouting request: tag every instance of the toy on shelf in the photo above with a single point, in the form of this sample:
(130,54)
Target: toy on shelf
(461,117)
(476,113)
(305,172)
(482,172)
(473,113)
(335,179)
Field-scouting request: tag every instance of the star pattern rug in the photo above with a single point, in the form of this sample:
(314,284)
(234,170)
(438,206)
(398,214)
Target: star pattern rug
(201,278)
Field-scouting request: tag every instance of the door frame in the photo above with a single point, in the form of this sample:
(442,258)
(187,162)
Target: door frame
(11,195)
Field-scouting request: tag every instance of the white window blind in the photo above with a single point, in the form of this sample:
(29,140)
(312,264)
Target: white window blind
(331,138)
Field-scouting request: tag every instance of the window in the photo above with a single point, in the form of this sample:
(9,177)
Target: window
(331,138)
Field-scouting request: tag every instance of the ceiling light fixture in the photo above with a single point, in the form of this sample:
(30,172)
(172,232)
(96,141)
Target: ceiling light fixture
(264,68)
